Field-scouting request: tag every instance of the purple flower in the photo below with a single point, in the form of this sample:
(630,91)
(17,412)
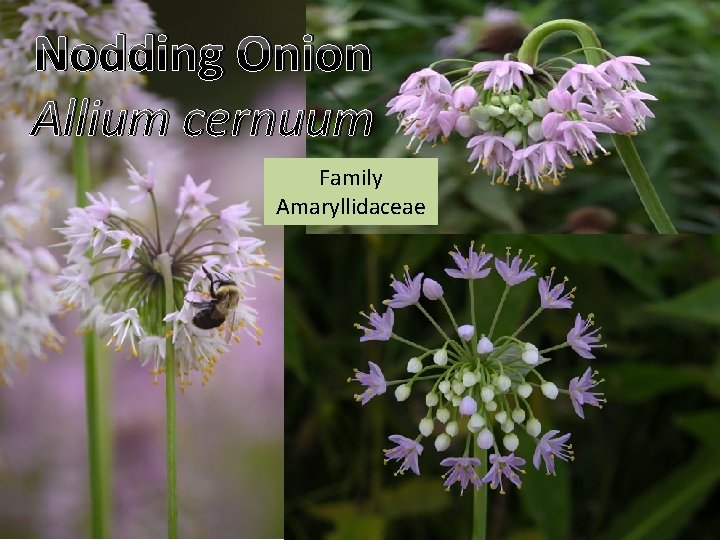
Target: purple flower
(461,470)
(493,152)
(580,340)
(552,297)
(578,136)
(549,447)
(406,294)
(512,272)
(464,98)
(579,394)
(623,112)
(584,78)
(466,332)
(546,160)
(374,381)
(407,452)
(472,267)
(621,70)
(382,325)
(503,466)
(503,74)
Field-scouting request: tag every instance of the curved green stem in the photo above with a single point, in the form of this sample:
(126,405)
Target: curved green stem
(165,263)
(97,386)
(595,55)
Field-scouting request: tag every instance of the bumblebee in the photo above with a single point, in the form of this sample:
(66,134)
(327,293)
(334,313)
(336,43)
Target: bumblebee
(224,298)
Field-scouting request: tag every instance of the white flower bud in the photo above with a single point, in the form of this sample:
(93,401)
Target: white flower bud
(456,400)
(469,379)
(402,392)
(442,414)
(516,110)
(414,366)
(45,261)
(444,387)
(442,442)
(524,390)
(514,135)
(540,106)
(484,346)
(8,306)
(487,394)
(449,395)
(440,357)
(466,332)
(530,355)
(495,111)
(485,439)
(503,383)
(491,406)
(452,428)
(479,113)
(511,442)
(549,389)
(518,415)
(475,423)
(432,289)
(533,427)
(501,417)
(431,399)
(535,131)
(526,117)
(458,387)
(508,426)
(426,426)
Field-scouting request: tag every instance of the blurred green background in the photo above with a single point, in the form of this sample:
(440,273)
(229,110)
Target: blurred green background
(647,465)
(681,39)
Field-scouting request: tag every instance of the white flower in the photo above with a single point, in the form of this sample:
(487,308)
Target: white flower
(442,414)
(487,394)
(426,426)
(549,390)
(511,442)
(524,390)
(142,184)
(402,392)
(431,399)
(530,354)
(125,325)
(152,350)
(442,442)
(533,427)
(452,428)
(125,246)
(414,366)
(503,383)
(440,357)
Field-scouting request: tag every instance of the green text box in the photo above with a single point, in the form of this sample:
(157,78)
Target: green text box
(336,191)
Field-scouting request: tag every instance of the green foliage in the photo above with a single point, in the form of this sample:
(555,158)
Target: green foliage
(646,466)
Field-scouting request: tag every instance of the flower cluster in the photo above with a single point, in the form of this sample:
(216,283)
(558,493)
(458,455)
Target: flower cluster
(478,382)
(523,121)
(23,89)
(27,280)
(114,275)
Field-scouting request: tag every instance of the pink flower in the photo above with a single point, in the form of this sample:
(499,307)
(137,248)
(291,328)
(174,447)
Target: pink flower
(504,75)
(621,70)
(584,78)
(492,151)
(194,195)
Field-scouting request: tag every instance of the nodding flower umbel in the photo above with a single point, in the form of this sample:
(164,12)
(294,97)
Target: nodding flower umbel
(28,274)
(524,124)
(479,379)
(113,275)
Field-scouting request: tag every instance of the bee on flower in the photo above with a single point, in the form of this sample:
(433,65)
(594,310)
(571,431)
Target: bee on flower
(114,275)
(470,377)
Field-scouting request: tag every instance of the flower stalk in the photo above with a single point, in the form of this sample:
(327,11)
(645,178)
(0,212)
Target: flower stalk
(170,306)
(592,48)
(97,396)
(480,496)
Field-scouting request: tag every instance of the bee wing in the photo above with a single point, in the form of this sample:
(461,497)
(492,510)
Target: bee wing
(230,322)
(200,305)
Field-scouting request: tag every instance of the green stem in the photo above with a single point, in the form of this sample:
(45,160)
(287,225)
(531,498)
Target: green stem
(479,528)
(498,310)
(472,315)
(530,319)
(165,268)
(97,397)
(595,55)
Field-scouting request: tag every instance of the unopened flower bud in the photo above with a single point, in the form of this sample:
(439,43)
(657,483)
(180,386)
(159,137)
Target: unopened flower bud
(514,135)
(469,379)
(533,427)
(464,98)
(402,392)
(442,442)
(458,387)
(508,426)
(465,126)
(426,426)
(503,383)
(414,366)
(432,289)
(487,394)
(501,417)
(475,423)
(452,428)
(444,387)
(468,406)
(442,414)
(511,442)
(8,306)
(549,389)
(440,357)
(530,355)
(466,332)
(540,106)
(495,111)
(479,113)
(456,401)
(524,390)
(485,439)
(518,415)
(526,117)
(491,406)
(484,346)
(431,399)
(535,131)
